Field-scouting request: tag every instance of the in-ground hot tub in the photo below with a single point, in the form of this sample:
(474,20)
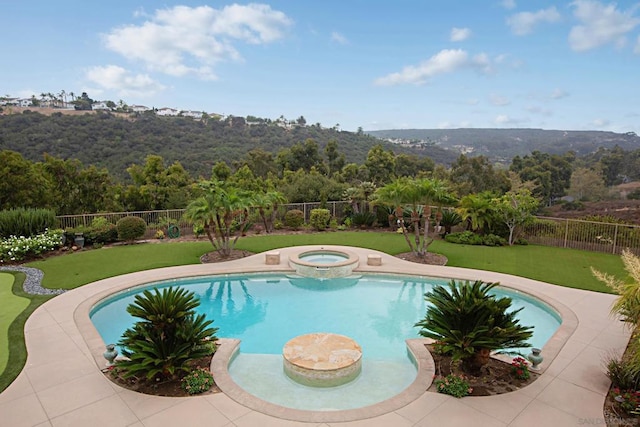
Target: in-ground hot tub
(324,263)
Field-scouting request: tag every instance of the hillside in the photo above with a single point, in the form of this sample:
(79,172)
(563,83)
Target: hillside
(501,145)
(105,140)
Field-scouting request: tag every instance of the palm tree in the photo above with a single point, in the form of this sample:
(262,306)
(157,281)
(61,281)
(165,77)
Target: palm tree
(394,195)
(470,322)
(478,210)
(352,195)
(269,202)
(433,192)
(216,210)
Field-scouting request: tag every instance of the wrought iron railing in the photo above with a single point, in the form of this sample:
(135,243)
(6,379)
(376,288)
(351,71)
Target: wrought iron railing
(561,232)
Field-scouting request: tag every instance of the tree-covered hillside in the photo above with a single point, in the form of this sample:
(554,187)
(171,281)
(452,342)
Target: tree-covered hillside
(501,145)
(106,140)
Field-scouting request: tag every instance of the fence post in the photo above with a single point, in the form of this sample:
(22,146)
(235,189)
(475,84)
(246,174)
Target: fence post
(615,238)
(566,232)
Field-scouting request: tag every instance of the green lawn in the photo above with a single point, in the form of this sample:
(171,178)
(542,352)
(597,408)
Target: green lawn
(12,306)
(564,267)
(17,306)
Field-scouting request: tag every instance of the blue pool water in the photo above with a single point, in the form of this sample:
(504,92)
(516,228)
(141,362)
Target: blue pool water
(266,311)
(323,257)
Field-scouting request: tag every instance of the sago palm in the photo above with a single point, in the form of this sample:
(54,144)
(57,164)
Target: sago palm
(469,322)
(168,336)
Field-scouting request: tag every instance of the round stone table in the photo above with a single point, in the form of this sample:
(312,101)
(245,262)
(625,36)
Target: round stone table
(322,359)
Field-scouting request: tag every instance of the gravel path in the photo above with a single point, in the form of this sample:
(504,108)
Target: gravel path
(32,282)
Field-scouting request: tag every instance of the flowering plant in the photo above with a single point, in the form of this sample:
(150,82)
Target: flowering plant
(197,381)
(520,368)
(629,399)
(17,248)
(454,385)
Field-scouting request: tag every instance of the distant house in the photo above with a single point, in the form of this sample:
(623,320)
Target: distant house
(167,112)
(192,113)
(139,108)
(101,105)
(25,102)
(5,102)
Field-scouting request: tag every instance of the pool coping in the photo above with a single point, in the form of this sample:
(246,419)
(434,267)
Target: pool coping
(256,264)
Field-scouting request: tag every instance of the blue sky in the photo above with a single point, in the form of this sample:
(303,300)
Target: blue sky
(357,63)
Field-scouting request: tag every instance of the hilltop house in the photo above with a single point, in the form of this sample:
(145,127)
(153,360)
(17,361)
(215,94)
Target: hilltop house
(101,105)
(167,112)
(192,113)
(139,108)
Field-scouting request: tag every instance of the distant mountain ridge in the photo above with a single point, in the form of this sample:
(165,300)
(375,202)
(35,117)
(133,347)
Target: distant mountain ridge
(501,145)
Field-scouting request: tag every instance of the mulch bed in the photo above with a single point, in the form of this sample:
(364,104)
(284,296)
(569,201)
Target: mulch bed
(171,388)
(494,378)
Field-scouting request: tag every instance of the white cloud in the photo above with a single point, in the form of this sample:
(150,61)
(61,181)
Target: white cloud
(445,125)
(445,61)
(637,48)
(600,24)
(183,40)
(339,38)
(505,120)
(601,123)
(540,111)
(509,4)
(499,100)
(118,79)
(460,34)
(451,125)
(523,23)
(559,94)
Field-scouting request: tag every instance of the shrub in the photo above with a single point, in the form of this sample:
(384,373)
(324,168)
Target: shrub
(319,219)
(493,240)
(198,229)
(131,228)
(454,385)
(623,373)
(168,336)
(470,322)
(634,195)
(363,219)
(464,238)
(16,249)
(101,234)
(294,218)
(520,368)
(450,219)
(159,235)
(629,400)
(197,381)
(573,206)
(26,222)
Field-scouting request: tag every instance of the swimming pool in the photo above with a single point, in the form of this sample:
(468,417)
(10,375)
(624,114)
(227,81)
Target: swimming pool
(267,310)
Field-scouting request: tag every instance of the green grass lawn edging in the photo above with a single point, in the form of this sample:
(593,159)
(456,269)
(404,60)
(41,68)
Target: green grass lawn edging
(14,327)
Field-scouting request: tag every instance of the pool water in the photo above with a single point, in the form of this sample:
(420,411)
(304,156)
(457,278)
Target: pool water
(323,258)
(265,311)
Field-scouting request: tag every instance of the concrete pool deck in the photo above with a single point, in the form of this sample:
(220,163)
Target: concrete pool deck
(62,385)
